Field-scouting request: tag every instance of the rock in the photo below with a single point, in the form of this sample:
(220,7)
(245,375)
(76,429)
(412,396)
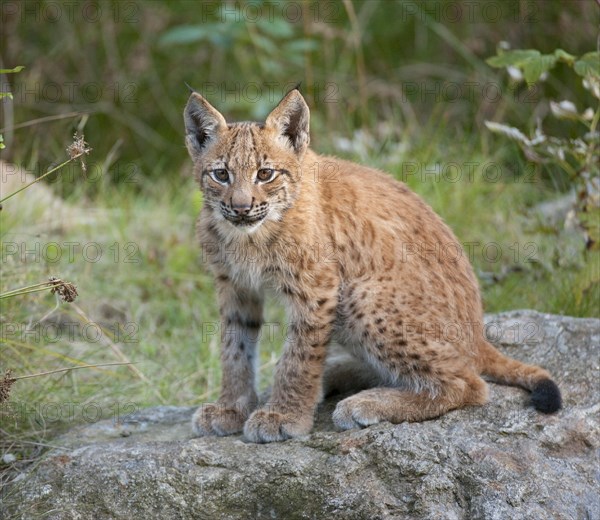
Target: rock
(499,461)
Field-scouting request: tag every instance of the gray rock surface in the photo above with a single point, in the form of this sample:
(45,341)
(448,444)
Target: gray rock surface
(500,461)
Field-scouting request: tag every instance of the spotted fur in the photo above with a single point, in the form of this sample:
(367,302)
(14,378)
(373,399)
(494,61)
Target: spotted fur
(359,261)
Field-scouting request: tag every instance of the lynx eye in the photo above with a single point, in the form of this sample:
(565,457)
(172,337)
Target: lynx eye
(265,174)
(221,175)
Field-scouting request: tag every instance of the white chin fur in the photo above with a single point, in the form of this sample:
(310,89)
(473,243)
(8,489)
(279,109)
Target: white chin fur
(250,229)
(232,229)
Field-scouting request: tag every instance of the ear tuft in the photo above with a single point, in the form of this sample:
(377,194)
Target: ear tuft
(291,119)
(202,124)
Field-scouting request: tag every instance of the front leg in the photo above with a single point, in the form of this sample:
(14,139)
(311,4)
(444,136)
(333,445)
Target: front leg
(241,319)
(298,376)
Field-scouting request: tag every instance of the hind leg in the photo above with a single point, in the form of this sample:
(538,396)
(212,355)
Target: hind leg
(397,405)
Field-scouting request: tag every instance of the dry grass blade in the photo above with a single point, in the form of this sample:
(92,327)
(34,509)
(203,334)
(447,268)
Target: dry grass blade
(58,370)
(39,120)
(7,381)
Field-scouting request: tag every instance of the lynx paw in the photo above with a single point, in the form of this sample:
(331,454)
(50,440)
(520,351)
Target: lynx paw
(355,412)
(268,426)
(217,419)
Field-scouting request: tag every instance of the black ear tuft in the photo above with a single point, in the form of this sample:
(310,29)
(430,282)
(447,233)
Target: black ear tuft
(545,396)
(191,89)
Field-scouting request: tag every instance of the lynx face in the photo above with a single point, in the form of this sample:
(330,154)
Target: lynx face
(248,172)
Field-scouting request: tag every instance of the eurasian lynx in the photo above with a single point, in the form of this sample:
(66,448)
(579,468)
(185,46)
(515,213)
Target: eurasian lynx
(359,260)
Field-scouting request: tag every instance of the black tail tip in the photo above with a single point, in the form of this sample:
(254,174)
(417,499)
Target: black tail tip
(545,396)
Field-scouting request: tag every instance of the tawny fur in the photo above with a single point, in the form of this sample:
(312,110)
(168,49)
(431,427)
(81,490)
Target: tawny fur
(358,259)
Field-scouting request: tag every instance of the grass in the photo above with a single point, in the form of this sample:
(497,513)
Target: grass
(125,232)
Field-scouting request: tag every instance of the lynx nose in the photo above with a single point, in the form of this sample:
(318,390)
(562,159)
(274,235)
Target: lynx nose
(241,209)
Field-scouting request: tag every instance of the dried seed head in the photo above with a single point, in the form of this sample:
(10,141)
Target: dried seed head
(78,148)
(6,385)
(66,290)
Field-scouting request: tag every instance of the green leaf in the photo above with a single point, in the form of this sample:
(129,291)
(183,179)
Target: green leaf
(530,61)
(514,58)
(277,28)
(10,71)
(265,44)
(564,56)
(303,45)
(219,34)
(588,64)
(186,34)
(2,142)
(533,68)
(6,94)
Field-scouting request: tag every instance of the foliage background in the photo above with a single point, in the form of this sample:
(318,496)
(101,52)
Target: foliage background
(400,85)
(126,63)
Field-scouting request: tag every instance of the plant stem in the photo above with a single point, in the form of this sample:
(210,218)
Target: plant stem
(70,368)
(39,178)
(24,290)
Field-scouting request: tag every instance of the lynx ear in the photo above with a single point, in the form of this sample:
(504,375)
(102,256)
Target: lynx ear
(291,120)
(202,124)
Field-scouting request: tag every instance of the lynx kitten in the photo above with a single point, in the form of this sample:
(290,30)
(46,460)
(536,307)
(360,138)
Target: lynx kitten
(359,261)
